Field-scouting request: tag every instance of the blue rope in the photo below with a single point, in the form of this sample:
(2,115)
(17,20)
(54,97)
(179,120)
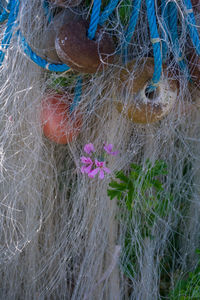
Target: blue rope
(107,11)
(165,40)
(38,60)
(131,27)
(94,19)
(47,11)
(77,94)
(156,44)
(14,8)
(191,23)
(4,16)
(5,12)
(174,35)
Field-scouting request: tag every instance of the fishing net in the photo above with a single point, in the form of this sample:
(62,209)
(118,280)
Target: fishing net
(62,237)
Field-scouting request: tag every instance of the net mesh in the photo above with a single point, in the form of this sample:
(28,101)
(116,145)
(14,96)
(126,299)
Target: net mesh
(61,236)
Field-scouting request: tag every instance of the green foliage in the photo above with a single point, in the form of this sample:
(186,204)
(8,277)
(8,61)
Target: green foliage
(125,10)
(59,83)
(141,194)
(138,183)
(189,287)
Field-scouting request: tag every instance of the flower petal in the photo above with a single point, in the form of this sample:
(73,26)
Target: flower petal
(92,173)
(88,169)
(83,169)
(101,174)
(99,163)
(86,160)
(88,148)
(106,170)
(108,148)
(114,153)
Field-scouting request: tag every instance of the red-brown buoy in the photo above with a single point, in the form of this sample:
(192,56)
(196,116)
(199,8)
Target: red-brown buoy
(58,124)
(76,50)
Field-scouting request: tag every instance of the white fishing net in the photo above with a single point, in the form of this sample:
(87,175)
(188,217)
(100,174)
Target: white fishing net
(61,236)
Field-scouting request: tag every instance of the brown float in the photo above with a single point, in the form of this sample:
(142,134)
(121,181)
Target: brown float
(142,107)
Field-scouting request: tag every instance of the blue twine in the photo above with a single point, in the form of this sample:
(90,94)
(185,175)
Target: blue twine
(47,11)
(4,16)
(164,14)
(108,11)
(173,23)
(156,44)
(94,19)
(14,8)
(191,23)
(131,27)
(38,60)
(5,12)
(77,94)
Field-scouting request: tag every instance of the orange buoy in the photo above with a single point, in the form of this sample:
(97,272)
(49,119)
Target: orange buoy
(58,124)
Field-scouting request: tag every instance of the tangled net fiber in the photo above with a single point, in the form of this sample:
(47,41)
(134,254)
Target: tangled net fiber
(61,236)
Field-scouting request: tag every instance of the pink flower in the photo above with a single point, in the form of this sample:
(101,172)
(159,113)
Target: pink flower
(108,148)
(100,169)
(88,164)
(88,148)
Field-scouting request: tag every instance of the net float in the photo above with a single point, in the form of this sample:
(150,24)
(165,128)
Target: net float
(76,50)
(58,124)
(48,42)
(139,106)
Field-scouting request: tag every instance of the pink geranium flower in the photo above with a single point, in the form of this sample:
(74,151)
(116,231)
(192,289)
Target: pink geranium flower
(88,164)
(108,148)
(101,168)
(88,148)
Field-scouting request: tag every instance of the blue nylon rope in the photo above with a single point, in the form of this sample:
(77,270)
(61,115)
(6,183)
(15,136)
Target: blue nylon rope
(5,12)
(107,11)
(77,94)
(156,44)
(38,60)
(164,14)
(173,23)
(94,19)
(131,27)
(191,23)
(14,8)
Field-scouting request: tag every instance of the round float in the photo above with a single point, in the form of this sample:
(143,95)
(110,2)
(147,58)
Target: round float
(133,101)
(76,50)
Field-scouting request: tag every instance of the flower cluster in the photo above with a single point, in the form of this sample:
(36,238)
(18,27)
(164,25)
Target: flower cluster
(91,165)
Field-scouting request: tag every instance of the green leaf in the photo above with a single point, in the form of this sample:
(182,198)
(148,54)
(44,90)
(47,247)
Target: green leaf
(125,11)
(120,175)
(129,201)
(113,194)
(157,184)
(134,175)
(118,186)
(135,167)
